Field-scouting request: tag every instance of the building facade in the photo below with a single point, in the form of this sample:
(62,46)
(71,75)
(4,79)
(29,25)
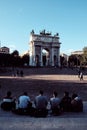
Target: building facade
(44,49)
(77,53)
(4,50)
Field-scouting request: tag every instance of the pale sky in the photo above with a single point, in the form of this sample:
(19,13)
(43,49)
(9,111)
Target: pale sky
(67,17)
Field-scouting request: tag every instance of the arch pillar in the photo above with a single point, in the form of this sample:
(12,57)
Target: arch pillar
(41,63)
(32,55)
(52,54)
(58,55)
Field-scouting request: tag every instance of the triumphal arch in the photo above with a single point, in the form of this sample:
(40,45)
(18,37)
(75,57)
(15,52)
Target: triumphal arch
(44,49)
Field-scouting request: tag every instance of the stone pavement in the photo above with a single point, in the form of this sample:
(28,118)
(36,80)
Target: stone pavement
(66,121)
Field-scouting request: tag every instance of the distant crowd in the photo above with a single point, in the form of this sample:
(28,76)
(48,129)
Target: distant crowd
(41,107)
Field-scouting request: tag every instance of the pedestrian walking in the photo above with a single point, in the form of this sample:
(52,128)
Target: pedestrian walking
(81,76)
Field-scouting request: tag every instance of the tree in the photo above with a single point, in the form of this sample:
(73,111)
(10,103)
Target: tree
(85,55)
(73,60)
(5,59)
(25,59)
(16,60)
(81,59)
(63,61)
(15,53)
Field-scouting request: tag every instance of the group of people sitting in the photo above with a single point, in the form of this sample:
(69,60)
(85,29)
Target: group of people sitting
(40,107)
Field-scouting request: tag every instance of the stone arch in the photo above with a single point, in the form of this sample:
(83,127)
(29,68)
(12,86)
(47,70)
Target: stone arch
(44,41)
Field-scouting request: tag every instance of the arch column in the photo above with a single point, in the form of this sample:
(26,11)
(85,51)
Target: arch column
(58,55)
(41,63)
(52,56)
(32,55)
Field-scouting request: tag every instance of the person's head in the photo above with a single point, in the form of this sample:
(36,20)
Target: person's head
(9,93)
(74,95)
(55,94)
(66,93)
(25,93)
(41,92)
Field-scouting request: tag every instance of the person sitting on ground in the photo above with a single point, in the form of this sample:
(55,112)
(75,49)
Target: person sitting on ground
(41,105)
(8,102)
(65,103)
(76,103)
(23,101)
(55,104)
(24,104)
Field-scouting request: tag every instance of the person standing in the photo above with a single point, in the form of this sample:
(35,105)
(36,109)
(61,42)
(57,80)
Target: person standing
(21,73)
(81,76)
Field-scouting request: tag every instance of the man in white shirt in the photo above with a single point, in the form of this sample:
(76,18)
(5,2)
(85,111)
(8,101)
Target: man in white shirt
(23,101)
(24,105)
(55,104)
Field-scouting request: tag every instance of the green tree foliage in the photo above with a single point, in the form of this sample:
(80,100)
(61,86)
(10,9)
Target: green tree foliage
(5,59)
(13,59)
(15,53)
(63,61)
(25,59)
(85,55)
(72,60)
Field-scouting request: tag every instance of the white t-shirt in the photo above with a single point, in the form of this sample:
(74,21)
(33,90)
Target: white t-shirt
(54,102)
(23,101)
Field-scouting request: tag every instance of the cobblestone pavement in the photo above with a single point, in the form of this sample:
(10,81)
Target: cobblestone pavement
(66,121)
(26,123)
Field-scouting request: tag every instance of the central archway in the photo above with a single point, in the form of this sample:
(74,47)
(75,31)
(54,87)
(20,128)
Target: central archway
(45,57)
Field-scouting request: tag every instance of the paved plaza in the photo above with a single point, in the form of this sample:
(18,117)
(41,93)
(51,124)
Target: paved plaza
(66,121)
(48,79)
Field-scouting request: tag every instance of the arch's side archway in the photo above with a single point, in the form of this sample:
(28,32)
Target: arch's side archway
(37,60)
(44,50)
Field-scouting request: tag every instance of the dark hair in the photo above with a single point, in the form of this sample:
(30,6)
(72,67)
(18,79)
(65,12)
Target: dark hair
(9,93)
(55,93)
(25,93)
(74,95)
(66,93)
(41,92)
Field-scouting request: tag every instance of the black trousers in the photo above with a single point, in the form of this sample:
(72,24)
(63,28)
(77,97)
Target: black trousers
(41,112)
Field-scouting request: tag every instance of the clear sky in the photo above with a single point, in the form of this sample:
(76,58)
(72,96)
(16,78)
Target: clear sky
(67,17)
